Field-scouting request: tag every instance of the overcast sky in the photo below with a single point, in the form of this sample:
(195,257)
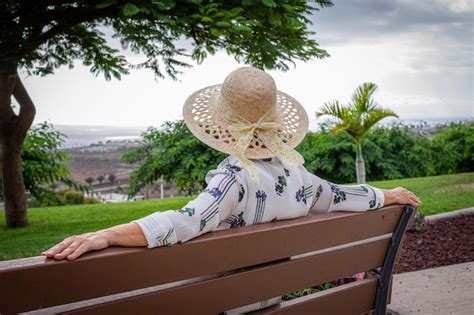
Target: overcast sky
(419,53)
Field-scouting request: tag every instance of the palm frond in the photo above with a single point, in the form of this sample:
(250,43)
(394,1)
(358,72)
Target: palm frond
(334,109)
(340,126)
(361,99)
(359,116)
(374,116)
(345,118)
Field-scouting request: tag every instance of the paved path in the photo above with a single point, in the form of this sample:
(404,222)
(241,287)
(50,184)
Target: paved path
(442,290)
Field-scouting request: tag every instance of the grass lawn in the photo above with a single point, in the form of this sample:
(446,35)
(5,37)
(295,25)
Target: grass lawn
(49,226)
(438,194)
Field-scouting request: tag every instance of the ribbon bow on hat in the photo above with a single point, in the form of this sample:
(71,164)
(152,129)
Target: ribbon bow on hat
(265,129)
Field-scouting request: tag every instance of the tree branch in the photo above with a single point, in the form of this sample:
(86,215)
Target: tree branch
(79,16)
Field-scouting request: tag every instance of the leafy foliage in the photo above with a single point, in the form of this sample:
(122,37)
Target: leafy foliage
(175,153)
(44,35)
(391,153)
(397,152)
(455,148)
(50,198)
(329,155)
(44,163)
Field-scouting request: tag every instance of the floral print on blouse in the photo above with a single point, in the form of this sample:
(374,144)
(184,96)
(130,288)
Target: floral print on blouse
(232,200)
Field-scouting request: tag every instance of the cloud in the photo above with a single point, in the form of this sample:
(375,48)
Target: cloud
(435,36)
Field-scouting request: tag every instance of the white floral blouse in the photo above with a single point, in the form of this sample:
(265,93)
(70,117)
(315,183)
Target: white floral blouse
(232,199)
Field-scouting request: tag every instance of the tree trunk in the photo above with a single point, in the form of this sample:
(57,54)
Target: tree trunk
(1,171)
(14,188)
(360,165)
(13,129)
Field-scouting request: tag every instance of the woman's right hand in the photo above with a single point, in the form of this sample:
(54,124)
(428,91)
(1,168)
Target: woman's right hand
(74,246)
(400,195)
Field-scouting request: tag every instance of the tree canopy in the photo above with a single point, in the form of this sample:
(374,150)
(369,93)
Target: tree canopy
(41,36)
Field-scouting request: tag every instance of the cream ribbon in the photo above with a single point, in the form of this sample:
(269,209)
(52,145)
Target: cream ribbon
(265,128)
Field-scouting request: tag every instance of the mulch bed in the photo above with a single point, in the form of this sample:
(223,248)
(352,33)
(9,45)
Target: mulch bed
(439,243)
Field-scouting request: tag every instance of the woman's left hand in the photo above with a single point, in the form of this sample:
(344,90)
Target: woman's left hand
(74,246)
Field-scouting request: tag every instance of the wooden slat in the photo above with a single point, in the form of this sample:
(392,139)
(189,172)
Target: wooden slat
(249,286)
(353,298)
(117,270)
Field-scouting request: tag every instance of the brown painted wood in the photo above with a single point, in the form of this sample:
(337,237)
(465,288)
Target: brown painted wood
(249,286)
(114,270)
(353,298)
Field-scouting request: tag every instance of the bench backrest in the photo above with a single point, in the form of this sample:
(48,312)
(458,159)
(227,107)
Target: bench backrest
(218,271)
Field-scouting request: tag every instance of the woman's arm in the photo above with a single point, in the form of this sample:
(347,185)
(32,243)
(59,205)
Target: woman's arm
(128,234)
(199,216)
(331,197)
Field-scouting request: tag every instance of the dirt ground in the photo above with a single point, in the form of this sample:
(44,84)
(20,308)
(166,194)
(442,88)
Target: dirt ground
(439,243)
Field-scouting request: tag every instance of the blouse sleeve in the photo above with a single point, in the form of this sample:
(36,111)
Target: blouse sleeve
(331,197)
(199,216)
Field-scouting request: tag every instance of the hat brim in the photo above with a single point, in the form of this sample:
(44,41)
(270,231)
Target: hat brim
(202,119)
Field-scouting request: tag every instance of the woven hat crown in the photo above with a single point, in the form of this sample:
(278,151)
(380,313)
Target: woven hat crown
(249,92)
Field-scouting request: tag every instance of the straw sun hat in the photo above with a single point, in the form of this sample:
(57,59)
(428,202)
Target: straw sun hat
(248,117)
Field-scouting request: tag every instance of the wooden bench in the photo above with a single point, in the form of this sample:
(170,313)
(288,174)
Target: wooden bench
(222,270)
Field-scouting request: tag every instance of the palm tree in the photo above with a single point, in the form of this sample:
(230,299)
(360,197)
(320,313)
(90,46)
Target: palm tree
(90,180)
(111,177)
(100,178)
(361,113)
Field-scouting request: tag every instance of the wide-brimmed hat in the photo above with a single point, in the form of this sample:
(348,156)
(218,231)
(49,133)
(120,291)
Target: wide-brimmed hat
(248,117)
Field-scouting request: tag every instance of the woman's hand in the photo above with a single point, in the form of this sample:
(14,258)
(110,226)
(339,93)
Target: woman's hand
(400,195)
(74,246)
(128,234)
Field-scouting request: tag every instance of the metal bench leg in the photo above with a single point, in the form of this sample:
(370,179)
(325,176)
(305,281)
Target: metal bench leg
(387,268)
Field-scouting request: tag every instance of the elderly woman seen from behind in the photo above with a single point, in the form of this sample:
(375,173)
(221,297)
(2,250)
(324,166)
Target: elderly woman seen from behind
(262,180)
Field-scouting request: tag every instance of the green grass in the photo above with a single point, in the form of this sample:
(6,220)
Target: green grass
(49,226)
(438,194)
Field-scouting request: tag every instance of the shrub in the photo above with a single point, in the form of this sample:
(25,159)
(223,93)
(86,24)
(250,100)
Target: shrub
(390,153)
(90,200)
(49,198)
(72,197)
(453,149)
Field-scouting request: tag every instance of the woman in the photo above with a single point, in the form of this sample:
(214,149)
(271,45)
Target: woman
(262,180)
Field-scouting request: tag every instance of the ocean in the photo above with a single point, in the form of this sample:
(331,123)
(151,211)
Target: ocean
(80,136)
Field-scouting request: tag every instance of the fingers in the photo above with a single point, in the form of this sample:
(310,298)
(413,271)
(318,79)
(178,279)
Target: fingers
(415,200)
(404,196)
(75,246)
(412,198)
(58,248)
(81,249)
(66,247)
